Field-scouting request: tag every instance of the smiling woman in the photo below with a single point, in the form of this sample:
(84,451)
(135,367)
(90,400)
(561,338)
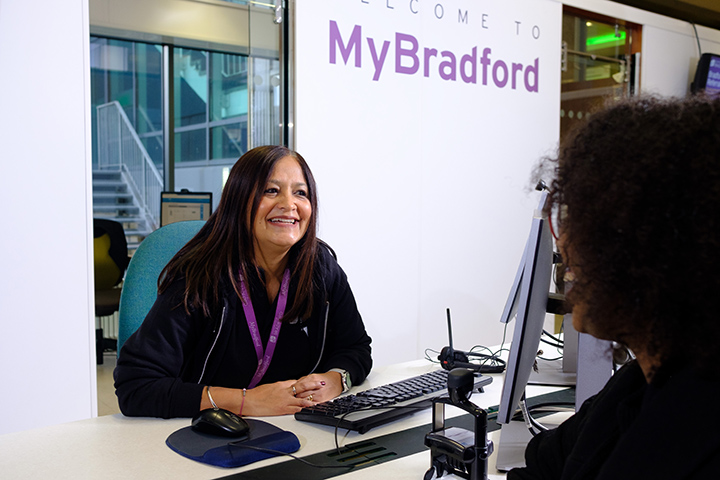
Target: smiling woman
(283,215)
(253,315)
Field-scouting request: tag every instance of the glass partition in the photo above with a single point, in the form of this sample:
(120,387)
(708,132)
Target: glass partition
(598,63)
(211,105)
(223,100)
(131,74)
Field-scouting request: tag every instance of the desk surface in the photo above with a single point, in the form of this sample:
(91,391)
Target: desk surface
(116,446)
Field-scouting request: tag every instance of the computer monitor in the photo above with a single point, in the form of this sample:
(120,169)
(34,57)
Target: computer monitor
(528,299)
(184,205)
(707,75)
(546,372)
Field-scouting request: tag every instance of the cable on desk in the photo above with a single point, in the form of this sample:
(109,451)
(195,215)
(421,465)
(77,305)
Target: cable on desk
(556,342)
(433,358)
(548,359)
(342,417)
(490,358)
(552,407)
(535,427)
(278,452)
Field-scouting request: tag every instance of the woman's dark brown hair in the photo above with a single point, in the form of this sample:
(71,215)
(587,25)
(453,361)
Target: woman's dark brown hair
(639,185)
(223,249)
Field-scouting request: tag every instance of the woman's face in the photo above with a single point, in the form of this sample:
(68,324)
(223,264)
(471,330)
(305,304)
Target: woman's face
(579,307)
(602,325)
(284,212)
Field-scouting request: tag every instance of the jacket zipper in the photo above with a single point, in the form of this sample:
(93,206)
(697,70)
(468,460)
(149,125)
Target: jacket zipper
(322,347)
(212,347)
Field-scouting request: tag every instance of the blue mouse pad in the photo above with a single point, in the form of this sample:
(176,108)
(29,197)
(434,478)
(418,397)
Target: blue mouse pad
(229,452)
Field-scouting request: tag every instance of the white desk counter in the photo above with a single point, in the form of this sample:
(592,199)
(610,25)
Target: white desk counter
(116,446)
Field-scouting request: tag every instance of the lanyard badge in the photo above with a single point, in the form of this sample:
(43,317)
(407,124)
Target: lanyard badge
(264,355)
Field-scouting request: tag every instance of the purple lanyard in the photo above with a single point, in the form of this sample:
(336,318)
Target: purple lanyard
(264,357)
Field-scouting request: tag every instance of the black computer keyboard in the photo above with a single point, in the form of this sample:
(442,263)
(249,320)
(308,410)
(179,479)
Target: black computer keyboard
(380,405)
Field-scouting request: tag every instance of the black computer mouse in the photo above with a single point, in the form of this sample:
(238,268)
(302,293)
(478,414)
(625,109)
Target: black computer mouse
(223,423)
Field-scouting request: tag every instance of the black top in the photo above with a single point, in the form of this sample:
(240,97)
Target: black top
(665,430)
(293,352)
(163,367)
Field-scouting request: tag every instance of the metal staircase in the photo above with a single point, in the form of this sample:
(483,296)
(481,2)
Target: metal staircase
(126,183)
(113,200)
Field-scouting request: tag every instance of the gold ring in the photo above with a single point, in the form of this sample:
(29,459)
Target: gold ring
(310,397)
(293,389)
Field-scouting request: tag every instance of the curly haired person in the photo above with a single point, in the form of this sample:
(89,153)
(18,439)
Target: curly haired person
(638,188)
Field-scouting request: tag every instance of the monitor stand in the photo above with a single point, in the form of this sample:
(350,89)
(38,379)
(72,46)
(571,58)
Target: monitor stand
(586,364)
(552,374)
(514,437)
(562,372)
(595,367)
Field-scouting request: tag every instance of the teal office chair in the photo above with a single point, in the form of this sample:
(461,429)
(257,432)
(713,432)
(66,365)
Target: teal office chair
(140,287)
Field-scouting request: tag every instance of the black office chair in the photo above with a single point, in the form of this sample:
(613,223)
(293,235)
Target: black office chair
(110,262)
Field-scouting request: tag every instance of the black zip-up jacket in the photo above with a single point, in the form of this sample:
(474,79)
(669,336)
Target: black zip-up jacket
(665,430)
(163,367)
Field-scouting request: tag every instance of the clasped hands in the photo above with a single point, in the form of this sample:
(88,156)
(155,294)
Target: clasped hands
(290,396)
(279,398)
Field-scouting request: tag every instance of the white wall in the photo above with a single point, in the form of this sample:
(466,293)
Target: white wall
(47,352)
(423,182)
(671,56)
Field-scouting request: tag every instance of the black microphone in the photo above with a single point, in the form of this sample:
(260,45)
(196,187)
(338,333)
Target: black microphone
(451,358)
(448,356)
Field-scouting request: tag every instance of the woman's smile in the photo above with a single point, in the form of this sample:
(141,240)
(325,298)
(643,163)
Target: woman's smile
(284,212)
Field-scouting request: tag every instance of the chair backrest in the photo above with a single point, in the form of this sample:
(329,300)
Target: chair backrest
(140,287)
(110,253)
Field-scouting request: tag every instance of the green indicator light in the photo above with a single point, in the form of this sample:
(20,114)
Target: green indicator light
(603,40)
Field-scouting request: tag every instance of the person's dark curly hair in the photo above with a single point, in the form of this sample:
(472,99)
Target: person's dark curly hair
(639,188)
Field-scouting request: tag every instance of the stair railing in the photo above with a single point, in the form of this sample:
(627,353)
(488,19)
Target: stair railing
(119,147)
